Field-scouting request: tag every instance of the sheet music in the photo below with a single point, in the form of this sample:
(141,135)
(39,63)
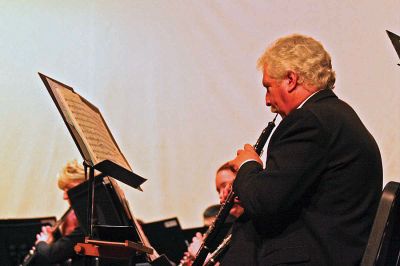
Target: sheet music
(88,122)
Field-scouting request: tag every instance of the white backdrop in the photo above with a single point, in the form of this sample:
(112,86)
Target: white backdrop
(177,83)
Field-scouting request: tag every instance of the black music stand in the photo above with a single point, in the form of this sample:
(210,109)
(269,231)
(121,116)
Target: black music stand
(167,237)
(111,169)
(100,153)
(395,39)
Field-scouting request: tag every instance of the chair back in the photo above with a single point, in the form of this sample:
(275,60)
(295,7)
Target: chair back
(384,240)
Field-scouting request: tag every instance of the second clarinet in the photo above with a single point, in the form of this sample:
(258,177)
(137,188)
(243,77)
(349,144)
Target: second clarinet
(215,227)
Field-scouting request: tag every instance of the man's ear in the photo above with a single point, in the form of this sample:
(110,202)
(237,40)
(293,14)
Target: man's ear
(292,80)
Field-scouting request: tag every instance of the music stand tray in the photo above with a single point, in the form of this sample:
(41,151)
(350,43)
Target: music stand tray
(107,249)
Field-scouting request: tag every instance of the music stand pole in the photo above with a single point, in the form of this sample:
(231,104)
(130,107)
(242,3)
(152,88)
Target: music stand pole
(90,197)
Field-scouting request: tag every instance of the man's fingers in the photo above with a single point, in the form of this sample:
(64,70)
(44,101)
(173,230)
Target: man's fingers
(248,147)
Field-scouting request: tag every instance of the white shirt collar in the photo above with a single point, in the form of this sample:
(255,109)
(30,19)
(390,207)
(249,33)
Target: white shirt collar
(301,105)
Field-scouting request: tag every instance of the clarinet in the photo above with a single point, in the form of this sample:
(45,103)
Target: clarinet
(215,227)
(32,252)
(219,252)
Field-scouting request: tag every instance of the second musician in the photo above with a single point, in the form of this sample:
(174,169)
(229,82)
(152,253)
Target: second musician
(223,178)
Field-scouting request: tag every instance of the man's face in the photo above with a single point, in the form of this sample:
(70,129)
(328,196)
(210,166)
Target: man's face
(275,95)
(223,179)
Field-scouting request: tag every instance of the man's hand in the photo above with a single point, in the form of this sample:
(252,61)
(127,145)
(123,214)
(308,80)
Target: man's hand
(46,235)
(190,254)
(247,154)
(197,241)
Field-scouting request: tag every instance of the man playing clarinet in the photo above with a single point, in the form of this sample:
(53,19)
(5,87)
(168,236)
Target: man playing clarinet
(315,200)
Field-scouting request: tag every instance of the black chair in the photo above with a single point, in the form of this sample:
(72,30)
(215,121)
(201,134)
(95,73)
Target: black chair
(384,241)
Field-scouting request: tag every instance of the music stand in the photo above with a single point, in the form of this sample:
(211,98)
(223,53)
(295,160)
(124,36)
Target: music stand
(167,237)
(108,208)
(100,152)
(395,39)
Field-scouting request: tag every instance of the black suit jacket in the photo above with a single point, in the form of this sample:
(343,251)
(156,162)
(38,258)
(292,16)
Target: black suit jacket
(315,201)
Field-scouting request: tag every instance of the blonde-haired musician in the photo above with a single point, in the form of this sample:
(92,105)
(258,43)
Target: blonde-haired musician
(57,250)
